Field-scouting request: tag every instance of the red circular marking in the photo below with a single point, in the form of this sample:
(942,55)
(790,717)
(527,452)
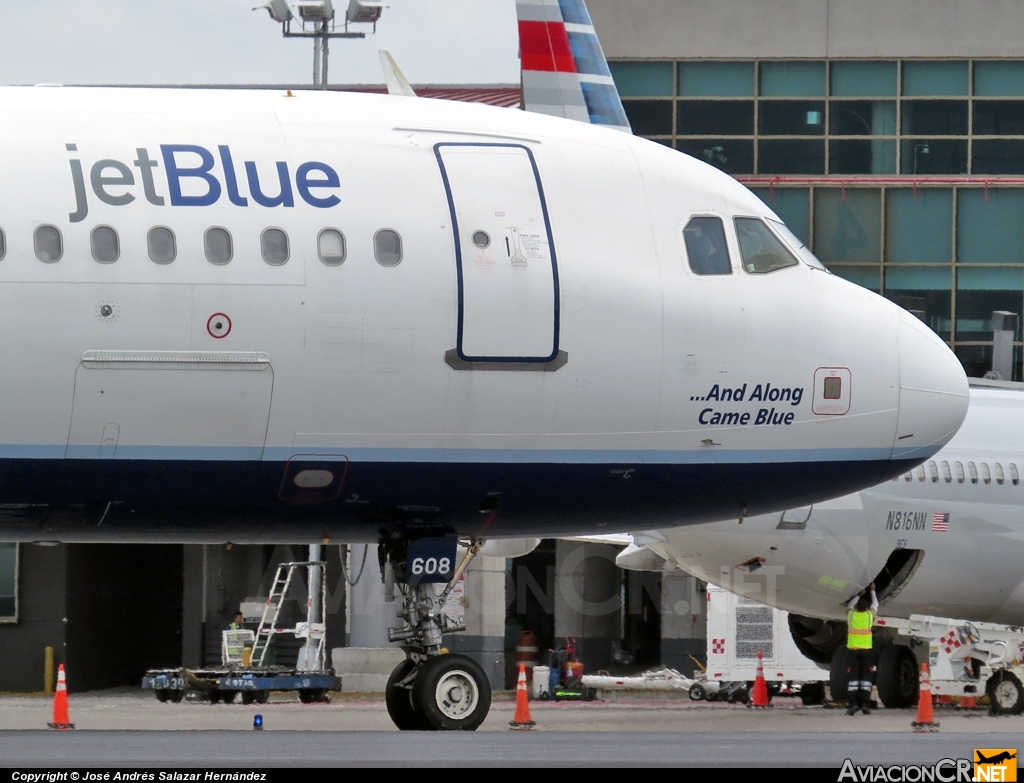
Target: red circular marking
(219,326)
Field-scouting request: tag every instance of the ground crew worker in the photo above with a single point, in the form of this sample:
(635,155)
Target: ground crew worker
(238,624)
(861,671)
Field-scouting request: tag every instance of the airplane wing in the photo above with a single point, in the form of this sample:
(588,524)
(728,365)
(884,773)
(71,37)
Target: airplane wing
(617,539)
(565,72)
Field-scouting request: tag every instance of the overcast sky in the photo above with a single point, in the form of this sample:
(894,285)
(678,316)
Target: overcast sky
(225,42)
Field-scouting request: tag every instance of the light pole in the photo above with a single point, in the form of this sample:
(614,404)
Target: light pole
(319,14)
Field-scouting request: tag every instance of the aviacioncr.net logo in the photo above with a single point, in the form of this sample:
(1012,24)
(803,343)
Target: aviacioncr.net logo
(943,771)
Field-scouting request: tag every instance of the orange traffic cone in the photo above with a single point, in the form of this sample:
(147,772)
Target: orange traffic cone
(522,720)
(925,714)
(760,696)
(60,704)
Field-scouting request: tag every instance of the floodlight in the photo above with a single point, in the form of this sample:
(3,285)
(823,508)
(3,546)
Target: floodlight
(316,11)
(364,11)
(278,10)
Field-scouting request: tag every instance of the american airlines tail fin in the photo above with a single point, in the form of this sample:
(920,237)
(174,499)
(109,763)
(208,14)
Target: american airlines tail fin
(565,72)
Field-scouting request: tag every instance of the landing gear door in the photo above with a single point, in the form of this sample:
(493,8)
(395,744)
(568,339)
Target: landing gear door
(505,257)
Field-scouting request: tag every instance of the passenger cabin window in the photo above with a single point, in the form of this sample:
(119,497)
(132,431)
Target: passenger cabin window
(998,467)
(104,244)
(48,244)
(1014,476)
(3,245)
(933,471)
(908,477)
(972,469)
(762,251)
(959,472)
(162,248)
(387,247)
(920,473)
(274,246)
(946,474)
(218,246)
(330,246)
(705,246)
(985,475)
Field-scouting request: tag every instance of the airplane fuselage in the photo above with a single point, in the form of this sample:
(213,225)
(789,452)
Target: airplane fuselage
(959,518)
(258,316)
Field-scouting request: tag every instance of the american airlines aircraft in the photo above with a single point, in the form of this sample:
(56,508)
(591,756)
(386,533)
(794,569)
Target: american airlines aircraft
(265,316)
(943,539)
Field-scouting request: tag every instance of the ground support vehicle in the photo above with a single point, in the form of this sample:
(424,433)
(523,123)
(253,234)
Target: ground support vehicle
(737,630)
(964,659)
(224,685)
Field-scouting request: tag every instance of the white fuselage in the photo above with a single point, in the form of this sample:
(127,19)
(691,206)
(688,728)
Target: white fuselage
(963,511)
(565,361)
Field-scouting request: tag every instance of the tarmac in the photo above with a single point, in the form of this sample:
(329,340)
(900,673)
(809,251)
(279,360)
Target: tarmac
(127,728)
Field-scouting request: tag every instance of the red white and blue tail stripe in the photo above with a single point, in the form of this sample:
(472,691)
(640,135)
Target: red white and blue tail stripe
(565,72)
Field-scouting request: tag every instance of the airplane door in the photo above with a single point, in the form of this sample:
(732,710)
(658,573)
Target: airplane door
(505,258)
(170,405)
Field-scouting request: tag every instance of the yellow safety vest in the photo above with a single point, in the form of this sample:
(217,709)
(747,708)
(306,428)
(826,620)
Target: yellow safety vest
(858,625)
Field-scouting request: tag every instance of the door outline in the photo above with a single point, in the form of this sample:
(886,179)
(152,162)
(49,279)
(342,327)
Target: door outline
(457,358)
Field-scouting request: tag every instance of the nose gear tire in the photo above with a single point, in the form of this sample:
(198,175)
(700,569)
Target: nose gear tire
(452,693)
(399,701)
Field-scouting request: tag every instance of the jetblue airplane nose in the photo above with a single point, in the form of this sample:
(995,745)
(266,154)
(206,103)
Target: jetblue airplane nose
(933,395)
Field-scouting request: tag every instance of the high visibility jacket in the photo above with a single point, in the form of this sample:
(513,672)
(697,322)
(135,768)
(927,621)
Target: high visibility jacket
(858,636)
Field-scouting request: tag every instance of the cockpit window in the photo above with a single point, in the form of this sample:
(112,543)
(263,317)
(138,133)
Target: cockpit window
(705,246)
(794,242)
(761,250)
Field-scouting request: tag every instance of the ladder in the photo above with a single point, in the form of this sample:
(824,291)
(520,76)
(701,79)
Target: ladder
(268,622)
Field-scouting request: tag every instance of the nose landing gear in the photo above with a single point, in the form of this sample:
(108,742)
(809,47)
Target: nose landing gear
(429,690)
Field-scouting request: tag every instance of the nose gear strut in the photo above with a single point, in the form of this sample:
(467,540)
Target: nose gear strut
(420,694)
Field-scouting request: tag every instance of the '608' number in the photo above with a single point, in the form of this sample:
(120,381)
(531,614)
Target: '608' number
(431,566)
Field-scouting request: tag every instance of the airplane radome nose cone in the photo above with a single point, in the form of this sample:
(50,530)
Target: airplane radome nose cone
(934,392)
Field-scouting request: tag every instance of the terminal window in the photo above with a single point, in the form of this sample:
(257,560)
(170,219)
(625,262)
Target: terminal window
(8,583)
(951,252)
(841,117)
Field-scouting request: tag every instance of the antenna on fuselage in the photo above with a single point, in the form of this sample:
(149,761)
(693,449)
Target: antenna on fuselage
(393,76)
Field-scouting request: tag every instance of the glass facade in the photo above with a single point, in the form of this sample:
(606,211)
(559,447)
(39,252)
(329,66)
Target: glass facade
(950,254)
(842,117)
(905,177)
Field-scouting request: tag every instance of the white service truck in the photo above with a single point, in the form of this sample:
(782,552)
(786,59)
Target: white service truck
(738,629)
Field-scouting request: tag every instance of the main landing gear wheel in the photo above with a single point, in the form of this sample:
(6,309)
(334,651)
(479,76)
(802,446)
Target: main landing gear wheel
(399,700)
(838,676)
(452,693)
(897,677)
(1006,693)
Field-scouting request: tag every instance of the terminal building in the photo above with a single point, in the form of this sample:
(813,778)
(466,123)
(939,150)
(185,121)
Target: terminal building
(888,134)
